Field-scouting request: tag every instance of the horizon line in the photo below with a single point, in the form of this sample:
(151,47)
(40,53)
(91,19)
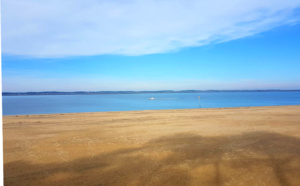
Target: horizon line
(194,90)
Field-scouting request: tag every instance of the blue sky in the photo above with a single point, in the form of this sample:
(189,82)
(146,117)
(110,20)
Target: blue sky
(179,46)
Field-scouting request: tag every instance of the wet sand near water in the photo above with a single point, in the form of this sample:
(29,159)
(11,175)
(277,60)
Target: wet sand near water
(226,146)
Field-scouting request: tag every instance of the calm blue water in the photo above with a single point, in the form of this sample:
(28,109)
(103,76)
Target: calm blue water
(48,104)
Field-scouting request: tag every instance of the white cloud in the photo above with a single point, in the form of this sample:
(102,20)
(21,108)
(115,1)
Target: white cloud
(133,27)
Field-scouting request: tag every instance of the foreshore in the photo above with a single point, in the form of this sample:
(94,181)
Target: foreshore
(218,146)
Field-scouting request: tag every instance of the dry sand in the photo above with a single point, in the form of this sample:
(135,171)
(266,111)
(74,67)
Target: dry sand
(230,146)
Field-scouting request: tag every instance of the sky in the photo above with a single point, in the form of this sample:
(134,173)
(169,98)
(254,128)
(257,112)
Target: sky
(101,45)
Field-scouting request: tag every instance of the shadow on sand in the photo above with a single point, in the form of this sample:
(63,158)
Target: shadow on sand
(257,158)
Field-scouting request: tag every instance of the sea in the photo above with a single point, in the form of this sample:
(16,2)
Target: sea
(50,104)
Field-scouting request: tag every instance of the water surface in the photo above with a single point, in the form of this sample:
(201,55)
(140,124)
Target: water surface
(49,104)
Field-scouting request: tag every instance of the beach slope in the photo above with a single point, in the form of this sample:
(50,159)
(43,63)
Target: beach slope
(226,146)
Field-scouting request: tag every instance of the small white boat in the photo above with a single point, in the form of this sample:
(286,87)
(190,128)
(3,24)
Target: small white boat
(151,98)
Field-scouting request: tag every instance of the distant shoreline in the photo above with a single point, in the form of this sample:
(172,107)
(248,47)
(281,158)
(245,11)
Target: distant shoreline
(134,92)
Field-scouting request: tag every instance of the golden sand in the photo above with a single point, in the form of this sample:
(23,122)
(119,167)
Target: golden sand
(230,146)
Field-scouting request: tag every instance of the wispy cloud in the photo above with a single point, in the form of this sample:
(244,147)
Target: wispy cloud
(133,27)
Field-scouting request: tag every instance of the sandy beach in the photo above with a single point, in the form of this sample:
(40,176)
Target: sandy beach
(226,146)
